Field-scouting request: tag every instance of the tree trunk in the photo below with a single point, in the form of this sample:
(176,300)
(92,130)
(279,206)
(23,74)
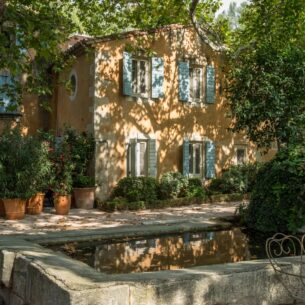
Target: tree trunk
(202,32)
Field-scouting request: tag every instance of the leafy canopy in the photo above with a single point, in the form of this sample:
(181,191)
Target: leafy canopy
(35,29)
(267,72)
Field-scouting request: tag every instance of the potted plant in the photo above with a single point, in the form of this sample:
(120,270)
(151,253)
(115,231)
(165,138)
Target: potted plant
(61,178)
(41,175)
(83,189)
(15,172)
(82,150)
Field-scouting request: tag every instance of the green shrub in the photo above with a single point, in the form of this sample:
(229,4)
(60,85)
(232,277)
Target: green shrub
(137,189)
(83,181)
(278,199)
(235,179)
(195,189)
(136,205)
(24,164)
(173,185)
(82,147)
(121,204)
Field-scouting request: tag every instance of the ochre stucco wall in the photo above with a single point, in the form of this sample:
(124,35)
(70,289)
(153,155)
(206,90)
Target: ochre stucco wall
(33,117)
(118,118)
(77,112)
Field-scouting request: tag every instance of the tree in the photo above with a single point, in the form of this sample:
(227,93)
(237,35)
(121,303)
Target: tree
(32,31)
(28,30)
(267,72)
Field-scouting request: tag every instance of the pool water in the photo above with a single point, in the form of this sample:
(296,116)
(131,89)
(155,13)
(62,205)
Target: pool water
(168,252)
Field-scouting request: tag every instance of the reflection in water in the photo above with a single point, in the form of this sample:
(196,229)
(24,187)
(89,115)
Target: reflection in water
(166,252)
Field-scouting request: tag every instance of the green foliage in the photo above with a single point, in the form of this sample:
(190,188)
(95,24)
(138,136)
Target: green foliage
(62,167)
(82,147)
(236,179)
(136,189)
(24,165)
(278,199)
(140,192)
(267,70)
(83,181)
(41,166)
(195,189)
(42,27)
(173,185)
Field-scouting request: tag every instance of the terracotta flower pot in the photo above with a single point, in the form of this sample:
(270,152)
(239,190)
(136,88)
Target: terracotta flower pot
(84,197)
(2,211)
(34,205)
(14,208)
(62,204)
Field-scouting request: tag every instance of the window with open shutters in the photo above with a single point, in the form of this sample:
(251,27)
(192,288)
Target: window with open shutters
(142,159)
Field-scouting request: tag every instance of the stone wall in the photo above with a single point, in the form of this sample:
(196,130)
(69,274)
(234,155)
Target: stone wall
(33,275)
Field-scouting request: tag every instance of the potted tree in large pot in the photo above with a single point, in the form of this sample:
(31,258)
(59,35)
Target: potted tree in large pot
(15,172)
(39,180)
(82,149)
(83,189)
(61,178)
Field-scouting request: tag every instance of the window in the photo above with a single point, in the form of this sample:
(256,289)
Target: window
(240,156)
(138,158)
(7,93)
(73,85)
(142,158)
(195,159)
(196,85)
(140,79)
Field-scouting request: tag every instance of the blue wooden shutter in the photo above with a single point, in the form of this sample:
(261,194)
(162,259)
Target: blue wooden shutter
(127,74)
(152,158)
(2,94)
(18,42)
(132,158)
(210,85)
(184,81)
(157,77)
(186,158)
(210,159)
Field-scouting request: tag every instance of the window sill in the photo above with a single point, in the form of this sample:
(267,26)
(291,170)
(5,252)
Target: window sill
(140,100)
(197,104)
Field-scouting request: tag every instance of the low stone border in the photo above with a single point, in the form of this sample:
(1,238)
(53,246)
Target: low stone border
(32,274)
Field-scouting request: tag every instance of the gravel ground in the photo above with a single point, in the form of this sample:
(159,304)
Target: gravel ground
(79,219)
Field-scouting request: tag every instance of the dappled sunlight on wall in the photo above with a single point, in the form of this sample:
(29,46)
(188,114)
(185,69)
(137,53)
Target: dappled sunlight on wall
(115,119)
(169,120)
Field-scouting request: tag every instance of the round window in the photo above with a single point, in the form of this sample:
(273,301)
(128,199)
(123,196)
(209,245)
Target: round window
(73,85)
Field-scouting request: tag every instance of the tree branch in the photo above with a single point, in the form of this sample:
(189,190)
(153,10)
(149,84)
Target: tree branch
(202,32)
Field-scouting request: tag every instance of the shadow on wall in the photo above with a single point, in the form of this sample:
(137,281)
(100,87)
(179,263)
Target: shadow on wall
(168,119)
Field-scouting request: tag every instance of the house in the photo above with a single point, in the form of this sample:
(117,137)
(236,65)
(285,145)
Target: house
(154,101)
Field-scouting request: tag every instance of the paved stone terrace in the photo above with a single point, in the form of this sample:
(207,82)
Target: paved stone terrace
(95,219)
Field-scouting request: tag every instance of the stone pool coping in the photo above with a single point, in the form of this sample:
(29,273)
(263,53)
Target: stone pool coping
(124,232)
(32,274)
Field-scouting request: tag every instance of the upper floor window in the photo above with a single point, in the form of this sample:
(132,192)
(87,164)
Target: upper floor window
(196,84)
(143,77)
(193,83)
(140,77)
